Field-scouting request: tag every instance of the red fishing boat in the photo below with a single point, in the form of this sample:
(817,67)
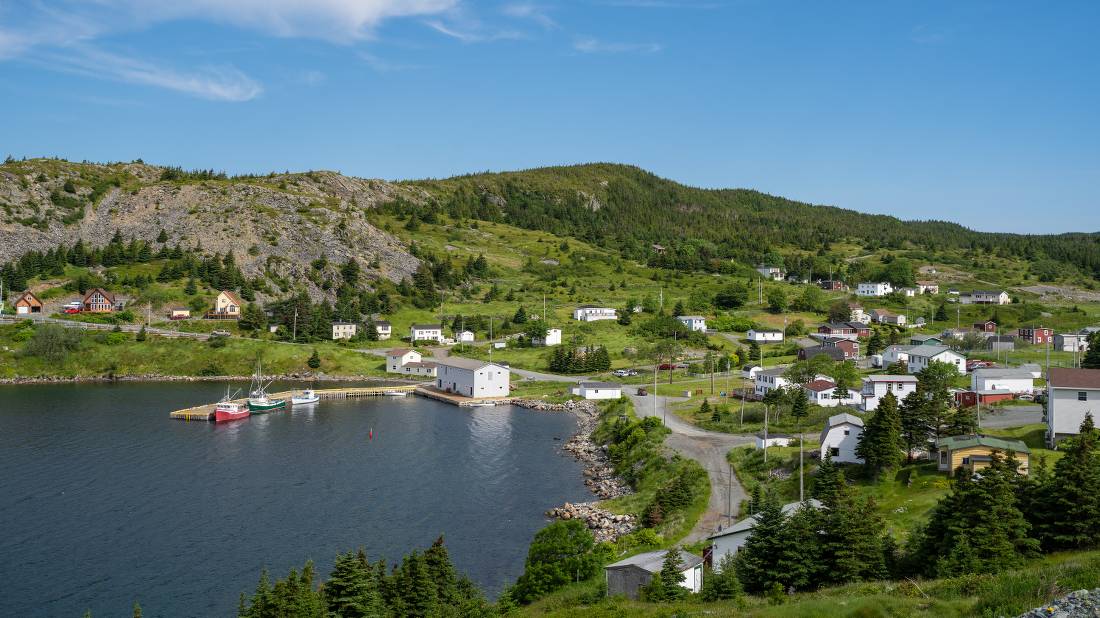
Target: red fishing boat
(229,410)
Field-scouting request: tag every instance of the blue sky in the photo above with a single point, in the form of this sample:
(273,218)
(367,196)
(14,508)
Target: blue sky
(986,113)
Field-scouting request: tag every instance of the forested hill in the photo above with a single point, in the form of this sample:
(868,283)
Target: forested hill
(630,209)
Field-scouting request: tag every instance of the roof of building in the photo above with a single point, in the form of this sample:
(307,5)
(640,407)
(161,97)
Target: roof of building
(966,441)
(470,364)
(344,324)
(592,307)
(920,337)
(1001,339)
(28,295)
(750,367)
(1001,372)
(428,326)
(837,325)
(929,350)
(842,418)
(233,298)
(831,351)
(819,385)
(609,385)
(765,330)
(891,378)
(899,347)
(690,317)
(399,352)
(774,371)
(995,292)
(110,297)
(883,312)
(652,561)
(421,364)
(750,522)
(381,322)
(1064,377)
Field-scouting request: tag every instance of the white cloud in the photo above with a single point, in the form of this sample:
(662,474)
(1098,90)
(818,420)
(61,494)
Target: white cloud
(60,35)
(214,83)
(471,33)
(533,12)
(591,45)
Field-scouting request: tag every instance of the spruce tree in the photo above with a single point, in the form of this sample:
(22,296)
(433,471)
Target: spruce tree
(941,313)
(758,558)
(349,590)
(665,585)
(880,444)
(800,405)
(1092,356)
(800,562)
(828,482)
(1068,511)
(314,361)
(141,335)
(916,429)
(722,584)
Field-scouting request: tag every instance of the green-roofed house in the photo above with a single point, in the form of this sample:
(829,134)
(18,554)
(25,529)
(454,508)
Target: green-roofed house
(975,451)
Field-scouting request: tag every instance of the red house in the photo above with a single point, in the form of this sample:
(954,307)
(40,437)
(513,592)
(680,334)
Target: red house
(27,303)
(988,326)
(836,328)
(98,300)
(1036,335)
(969,399)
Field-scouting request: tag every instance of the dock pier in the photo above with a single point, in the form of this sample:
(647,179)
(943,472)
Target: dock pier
(205,412)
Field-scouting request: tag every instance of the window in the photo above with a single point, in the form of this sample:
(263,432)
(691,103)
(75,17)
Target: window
(966,461)
(834,451)
(1082,395)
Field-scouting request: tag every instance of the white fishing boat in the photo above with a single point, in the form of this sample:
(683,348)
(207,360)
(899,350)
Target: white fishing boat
(395,393)
(305,397)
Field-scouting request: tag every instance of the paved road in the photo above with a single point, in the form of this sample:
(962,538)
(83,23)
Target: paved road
(1012,416)
(709,448)
(129,328)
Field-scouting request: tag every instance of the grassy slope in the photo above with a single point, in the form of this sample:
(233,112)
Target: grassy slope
(1007,594)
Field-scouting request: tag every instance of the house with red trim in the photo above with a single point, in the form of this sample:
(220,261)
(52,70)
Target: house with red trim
(1036,335)
(98,300)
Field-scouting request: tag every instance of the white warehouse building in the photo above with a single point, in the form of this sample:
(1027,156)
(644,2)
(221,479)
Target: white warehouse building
(472,378)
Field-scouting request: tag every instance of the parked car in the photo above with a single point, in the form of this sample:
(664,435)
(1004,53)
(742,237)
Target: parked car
(666,366)
(623,373)
(72,310)
(1025,397)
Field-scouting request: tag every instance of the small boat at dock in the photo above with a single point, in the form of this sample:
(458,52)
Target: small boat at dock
(305,397)
(395,393)
(229,410)
(258,400)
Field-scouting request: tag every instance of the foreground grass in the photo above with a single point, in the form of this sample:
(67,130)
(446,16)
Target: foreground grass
(1007,594)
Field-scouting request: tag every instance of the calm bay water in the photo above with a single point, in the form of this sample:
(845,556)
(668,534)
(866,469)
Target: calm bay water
(104,500)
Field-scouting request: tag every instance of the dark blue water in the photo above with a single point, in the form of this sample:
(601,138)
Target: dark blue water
(104,500)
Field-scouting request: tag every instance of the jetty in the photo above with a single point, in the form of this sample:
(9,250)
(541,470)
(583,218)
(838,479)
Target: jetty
(461,401)
(205,412)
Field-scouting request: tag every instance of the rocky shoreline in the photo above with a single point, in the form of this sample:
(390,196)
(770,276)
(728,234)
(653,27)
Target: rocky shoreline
(1074,605)
(154,377)
(599,476)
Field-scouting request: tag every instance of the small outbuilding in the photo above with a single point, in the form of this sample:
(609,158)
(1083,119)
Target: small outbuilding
(26,304)
(773,439)
(974,452)
(627,577)
(598,390)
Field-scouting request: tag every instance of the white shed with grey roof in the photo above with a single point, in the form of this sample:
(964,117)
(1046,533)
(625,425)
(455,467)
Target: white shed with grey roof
(627,577)
(472,378)
(598,390)
(730,540)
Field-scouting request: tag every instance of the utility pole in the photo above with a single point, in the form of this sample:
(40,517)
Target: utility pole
(958,316)
(656,364)
(294,335)
(729,494)
(801,459)
(490,339)
(765,433)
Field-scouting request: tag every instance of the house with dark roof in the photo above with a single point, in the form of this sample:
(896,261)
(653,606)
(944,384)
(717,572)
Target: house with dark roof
(98,300)
(1071,395)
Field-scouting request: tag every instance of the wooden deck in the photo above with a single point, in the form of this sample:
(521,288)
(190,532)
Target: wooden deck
(205,412)
(461,401)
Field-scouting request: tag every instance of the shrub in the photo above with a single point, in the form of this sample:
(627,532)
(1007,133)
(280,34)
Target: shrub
(52,343)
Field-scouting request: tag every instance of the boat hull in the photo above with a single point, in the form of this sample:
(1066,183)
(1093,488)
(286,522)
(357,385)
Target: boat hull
(257,407)
(222,416)
(301,401)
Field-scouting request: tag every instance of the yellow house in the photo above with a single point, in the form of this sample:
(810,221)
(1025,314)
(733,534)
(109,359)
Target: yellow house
(227,306)
(975,451)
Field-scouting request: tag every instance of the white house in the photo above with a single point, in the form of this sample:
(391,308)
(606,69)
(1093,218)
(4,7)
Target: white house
(769,379)
(765,335)
(896,354)
(875,388)
(909,292)
(553,337)
(881,288)
(883,316)
(774,273)
(344,330)
(857,314)
(466,336)
(591,313)
(1069,342)
(732,539)
(627,577)
(1071,394)
(598,390)
(822,392)
(426,332)
(985,297)
(749,371)
(384,329)
(472,378)
(423,369)
(923,355)
(995,379)
(928,287)
(399,357)
(773,439)
(693,322)
(840,437)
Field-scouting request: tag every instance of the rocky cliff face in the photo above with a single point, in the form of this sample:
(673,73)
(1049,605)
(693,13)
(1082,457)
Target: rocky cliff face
(274,224)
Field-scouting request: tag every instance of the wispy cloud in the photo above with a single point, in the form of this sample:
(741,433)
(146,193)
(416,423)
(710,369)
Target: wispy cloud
(223,83)
(592,45)
(923,35)
(61,35)
(534,12)
(662,4)
(471,34)
(384,66)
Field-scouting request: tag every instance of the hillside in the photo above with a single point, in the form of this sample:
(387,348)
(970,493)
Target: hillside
(279,223)
(275,225)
